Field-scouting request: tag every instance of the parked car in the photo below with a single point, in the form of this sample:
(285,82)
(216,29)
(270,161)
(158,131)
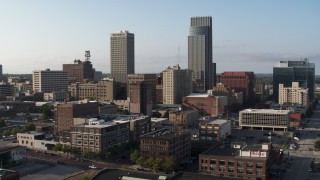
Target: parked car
(93,167)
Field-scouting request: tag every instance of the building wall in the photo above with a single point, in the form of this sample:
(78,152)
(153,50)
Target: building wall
(294,94)
(185,118)
(43,144)
(47,81)
(149,79)
(213,131)
(178,145)
(122,55)
(26,140)
(209,104)
(79,71)
(140,98)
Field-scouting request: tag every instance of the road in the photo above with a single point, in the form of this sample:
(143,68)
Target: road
(304,153)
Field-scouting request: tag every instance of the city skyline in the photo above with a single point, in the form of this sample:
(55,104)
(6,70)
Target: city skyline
(250,36)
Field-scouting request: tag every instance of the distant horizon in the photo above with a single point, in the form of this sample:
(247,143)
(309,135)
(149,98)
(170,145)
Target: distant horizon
(247,35)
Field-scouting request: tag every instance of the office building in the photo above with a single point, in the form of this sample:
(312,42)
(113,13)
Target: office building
(200,53)
(140,98)
(223,90)
(149,79)
(214,130)
(99,136)
(177,83)
(264,119)
(164,144)
(206,103)
(104,90)
(6,89)
(186,119)
(241,82)
(1,78)
(287,72)
(294,95)
(122,55)
(48,81)
(56,96)
(67,111)
(80,71)
(238,160)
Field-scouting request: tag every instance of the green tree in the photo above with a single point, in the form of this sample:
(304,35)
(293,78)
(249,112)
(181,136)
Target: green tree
(169,164)
(134,156)
(14,132)
(6,133)
(47,111)
(74,151)
(66,149)
(317,144)
(57,147)
(2,123)
(140,161)
(148,163)
(158,164)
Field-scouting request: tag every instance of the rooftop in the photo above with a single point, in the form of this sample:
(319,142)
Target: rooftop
(201,95)
(266,111)
(33,133)
(4,172)
(101,125)
(116,174)
(229,150)
(159,119)
(216,121)
(163,134)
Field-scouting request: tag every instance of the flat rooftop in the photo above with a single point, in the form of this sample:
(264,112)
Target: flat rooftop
(33,133)
(163,134)
(228,150)
(116,174)
(266,111)
(216,121)
(159,119)
(201,95)
(103,125)
(4,172)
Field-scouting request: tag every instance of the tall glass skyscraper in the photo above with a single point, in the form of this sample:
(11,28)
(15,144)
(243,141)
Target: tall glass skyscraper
(200,53)
(122,55)
(287,72)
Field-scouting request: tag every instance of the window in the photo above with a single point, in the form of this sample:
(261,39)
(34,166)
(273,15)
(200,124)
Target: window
(231,163)
(222,162)
(230,169)
(240,163)
(97,137)
(213,161)
(91,137)
(221,168)
(240,170)
(259,165)
(249,171)
(249,164)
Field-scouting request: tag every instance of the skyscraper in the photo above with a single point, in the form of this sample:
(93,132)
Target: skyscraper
(0,72)
(287,72)
(200,53)
(122,55)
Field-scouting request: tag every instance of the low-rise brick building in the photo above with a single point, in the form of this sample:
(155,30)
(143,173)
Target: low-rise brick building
(214,130)
(184,118)
(164,144)
(238,160)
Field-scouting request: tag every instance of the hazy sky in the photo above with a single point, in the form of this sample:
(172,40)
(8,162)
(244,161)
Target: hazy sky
(248,35)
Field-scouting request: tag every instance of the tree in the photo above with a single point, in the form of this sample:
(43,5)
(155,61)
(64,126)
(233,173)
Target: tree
(140,161)
(317,144)
(47,111)
(134,156)
(14,131)
(158,164)
(6,133)
(169,164)
(57,147)
(74,151)
(2,123)
(148,163)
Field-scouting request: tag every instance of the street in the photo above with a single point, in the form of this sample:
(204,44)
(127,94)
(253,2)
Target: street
(304,154)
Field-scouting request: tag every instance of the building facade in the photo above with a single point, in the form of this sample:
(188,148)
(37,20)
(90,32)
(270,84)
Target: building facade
(214,130)
(29,139)
(164,144)
(177,83)
(79,71)
(140,96)
(66,112)
(99,136)
(149,79)
(6,89)
(238,160)
(48,81)
(122,55)
(56,96)
(264,119)
(200,53)
(241,82)
(287,72)
(103,90)
(187,119)
(294,94)
(207,104)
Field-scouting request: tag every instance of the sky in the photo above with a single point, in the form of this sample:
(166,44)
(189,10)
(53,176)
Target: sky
(248,35)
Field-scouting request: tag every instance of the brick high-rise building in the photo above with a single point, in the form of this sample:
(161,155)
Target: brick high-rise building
(66,112)
(140,98)
(79,71)
(241,82)
(149,79)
